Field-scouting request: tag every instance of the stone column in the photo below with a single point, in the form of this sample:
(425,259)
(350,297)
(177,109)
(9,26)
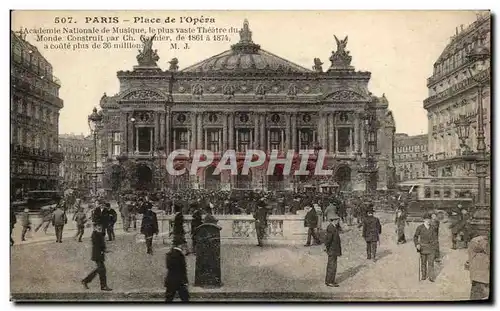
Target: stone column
(225,140)
(192,142)
(123,129)
(231,131)
(331,133)
(256,132)
(363,137)
(356,133)
(288,137)
(321,129)
(131,133)
(168,138)
(162,131)
(294,131)
(200,138)
(262,131)
(157,131)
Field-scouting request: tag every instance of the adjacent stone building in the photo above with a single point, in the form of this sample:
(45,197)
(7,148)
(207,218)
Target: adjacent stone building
(34,120)
(245,98)
(454,92)
(77,167)
(410,155)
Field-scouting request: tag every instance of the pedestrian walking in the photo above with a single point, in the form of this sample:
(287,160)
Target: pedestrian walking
(371,232)
(149,227)
(435,224)
(109,219)
(25,223)
(176,280)
(260,216)
(401,221)
(479,267)
(13,221)
(333,248)
(59,219)
(125,213)
(195,223)
(425,242)
(311,223)
(46,215)
(81,219)
(98,250)
(178,230)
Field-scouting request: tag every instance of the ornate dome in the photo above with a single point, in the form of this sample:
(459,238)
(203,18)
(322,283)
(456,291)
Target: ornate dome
(243,56)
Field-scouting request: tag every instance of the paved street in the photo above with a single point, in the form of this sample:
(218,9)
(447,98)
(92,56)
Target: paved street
(248,271)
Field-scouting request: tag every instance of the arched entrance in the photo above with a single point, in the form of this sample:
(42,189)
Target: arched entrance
(343,178)
(144,177)
(276,180)
(212,182)
(243,181)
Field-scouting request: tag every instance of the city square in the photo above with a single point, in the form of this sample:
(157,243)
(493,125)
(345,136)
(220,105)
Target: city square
(246,176)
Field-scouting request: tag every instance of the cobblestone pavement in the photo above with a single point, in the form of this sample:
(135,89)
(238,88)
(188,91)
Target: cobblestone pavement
(248,272)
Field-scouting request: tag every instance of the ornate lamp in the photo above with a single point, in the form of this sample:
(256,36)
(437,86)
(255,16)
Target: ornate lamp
(94,120)
(463,129)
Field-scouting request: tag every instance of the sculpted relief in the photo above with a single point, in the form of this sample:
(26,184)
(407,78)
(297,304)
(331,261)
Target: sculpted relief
(346,95)
(142,95)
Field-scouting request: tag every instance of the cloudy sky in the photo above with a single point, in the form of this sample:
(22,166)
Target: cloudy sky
(399,48)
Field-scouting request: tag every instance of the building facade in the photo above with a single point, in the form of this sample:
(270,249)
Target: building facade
(246,98)
(453,91)
(34,120)
(77,167)
(410,155)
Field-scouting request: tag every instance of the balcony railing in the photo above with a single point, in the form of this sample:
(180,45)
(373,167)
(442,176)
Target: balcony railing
(24,151)
(37,70)
(30,88)
(456,88)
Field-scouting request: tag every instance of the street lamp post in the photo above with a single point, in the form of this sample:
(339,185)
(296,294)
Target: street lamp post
(481,218)
(94,120)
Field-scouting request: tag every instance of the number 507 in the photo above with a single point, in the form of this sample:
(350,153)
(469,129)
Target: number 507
(63,20)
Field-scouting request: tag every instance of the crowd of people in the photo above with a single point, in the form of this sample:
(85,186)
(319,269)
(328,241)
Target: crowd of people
(346,208)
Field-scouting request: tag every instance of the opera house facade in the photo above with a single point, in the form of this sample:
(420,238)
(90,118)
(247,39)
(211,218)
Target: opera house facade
(246,98)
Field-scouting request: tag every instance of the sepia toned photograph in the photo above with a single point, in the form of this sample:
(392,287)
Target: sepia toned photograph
(246,156)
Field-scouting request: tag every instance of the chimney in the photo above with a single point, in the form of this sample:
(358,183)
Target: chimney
(462,27)
(456,31)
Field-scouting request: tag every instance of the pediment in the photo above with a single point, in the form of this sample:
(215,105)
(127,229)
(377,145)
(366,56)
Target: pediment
(345,95)
(144,95)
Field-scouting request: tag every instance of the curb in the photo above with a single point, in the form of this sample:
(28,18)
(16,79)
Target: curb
(230,295)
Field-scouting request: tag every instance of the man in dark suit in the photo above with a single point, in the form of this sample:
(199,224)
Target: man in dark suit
(178,230)
(98,250)
(97,213)
(149,226)
(425,240)
(109,218)
(333,248)
(176,280)
(311,223)
(371,231)
(196,222)
(260,216)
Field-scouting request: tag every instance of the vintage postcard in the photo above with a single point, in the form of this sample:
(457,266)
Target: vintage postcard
(250,156)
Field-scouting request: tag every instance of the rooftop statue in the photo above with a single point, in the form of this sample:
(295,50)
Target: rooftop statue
(147,57)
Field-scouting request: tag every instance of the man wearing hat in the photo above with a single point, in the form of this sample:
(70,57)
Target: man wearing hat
(260,216)
(371,231)
(178,228)
(176,280)
(25,223)
(149,226)
(333,248)
(400,222)
(59,219)
(425,240)
(311,223)
(98,250)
